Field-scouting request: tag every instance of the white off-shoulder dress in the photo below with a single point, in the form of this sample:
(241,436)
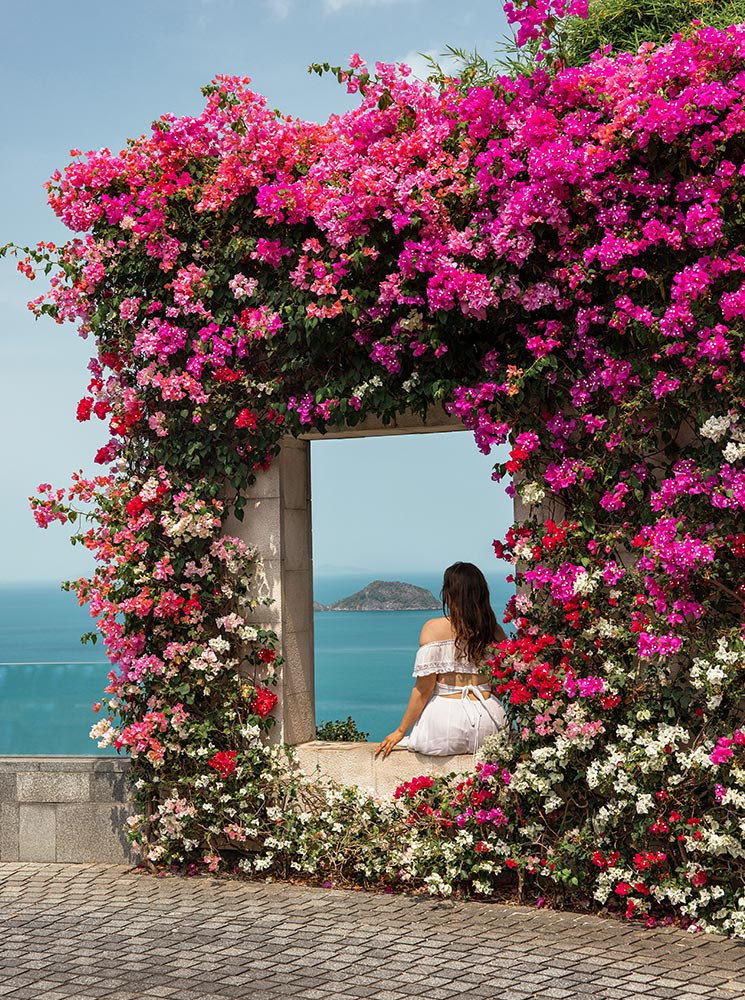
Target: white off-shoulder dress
(453,725)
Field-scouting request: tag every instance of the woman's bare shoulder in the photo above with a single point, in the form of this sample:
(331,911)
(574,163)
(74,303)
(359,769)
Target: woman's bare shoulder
(436,630)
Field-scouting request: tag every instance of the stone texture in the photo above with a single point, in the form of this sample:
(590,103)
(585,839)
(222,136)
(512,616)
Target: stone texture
(53,786)
(356,764)
(74,931)
(298,716)
(266,485)
(405,423)
(70,808)
(296,541)
(9,823)
(294,465)
(92,830)
(8,787)
(108,786)
(268,585)
(37,832)
(299,645)
(262,524)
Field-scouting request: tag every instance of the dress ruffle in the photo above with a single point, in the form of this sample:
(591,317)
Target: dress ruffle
(439,658)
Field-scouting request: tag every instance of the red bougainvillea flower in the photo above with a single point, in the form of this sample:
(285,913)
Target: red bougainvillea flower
(246,419)
(263,702)
(224,762)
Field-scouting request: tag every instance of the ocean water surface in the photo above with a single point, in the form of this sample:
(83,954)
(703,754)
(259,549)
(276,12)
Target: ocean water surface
(49,680)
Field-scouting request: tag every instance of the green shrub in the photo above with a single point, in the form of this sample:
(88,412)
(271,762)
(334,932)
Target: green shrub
(341,732)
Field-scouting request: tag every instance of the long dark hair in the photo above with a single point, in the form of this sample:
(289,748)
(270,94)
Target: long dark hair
(465,601)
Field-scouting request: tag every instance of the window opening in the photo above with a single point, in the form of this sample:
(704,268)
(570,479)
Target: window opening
(393,508)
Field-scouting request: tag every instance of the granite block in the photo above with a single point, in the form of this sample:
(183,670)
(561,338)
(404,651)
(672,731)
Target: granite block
(37,832)
(60,786)
(92,831)
(8,787)
(9,821)
(109,786)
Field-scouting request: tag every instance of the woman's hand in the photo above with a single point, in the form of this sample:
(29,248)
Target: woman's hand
(420,695)
(390,742)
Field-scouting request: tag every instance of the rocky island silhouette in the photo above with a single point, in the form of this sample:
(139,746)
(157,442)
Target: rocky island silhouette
(385,595)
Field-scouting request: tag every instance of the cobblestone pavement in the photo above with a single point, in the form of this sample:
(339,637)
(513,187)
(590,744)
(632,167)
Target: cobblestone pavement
(97,931)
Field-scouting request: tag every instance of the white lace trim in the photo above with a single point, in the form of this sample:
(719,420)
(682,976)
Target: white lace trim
(439,658)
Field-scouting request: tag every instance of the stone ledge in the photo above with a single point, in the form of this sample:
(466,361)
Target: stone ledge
(61,762)
(356,764)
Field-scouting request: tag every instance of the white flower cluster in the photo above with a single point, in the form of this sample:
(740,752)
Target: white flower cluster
(532,493)
(711,676)
(414,321)
(364,388)
(189,525)
(607,629)
(105,732)
(733,451)
(586,583)
(717,843)
(715,428)
(523,549)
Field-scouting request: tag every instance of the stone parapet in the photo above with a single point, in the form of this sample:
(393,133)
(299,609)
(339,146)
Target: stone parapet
(74,809)
(64,809)
(356,764)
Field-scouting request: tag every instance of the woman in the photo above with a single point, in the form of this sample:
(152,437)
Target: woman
(451,708)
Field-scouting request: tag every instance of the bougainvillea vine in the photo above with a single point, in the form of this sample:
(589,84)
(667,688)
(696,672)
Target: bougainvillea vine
(558,259)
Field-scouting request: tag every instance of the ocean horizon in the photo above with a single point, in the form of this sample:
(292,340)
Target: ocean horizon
(49,679)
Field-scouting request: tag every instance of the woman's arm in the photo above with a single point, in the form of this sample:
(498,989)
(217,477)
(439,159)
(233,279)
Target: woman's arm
(420,695)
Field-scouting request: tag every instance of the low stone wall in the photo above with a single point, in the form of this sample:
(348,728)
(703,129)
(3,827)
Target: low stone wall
(356,764)
(73,809)
(66,809)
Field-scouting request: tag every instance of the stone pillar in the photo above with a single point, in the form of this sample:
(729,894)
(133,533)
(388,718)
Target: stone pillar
(277,520)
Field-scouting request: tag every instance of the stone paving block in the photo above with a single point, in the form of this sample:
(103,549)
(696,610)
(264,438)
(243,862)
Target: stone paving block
(350,931)
(37,832)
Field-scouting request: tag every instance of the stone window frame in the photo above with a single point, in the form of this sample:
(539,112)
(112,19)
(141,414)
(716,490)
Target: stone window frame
(278,514)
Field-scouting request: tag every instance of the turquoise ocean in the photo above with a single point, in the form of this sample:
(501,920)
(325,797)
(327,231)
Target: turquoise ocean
(49,680)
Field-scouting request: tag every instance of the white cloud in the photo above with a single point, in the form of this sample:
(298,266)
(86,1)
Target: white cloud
(279,8)
(420,67)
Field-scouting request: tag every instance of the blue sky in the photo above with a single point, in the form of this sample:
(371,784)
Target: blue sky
(89,75)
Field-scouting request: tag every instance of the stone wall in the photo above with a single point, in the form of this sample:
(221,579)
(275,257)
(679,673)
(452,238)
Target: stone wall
(356,764)
(66,809)
(73,809)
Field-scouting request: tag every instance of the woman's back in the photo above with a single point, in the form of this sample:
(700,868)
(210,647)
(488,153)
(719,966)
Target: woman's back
(440,630)
(451,708)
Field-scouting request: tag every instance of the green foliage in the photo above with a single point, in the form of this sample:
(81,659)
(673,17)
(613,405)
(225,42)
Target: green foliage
(341,732)
(626,24)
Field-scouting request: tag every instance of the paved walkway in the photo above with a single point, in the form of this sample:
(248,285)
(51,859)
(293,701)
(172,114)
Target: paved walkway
(96,931)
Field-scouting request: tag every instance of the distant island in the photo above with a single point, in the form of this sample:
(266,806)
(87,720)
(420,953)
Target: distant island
(385,595)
